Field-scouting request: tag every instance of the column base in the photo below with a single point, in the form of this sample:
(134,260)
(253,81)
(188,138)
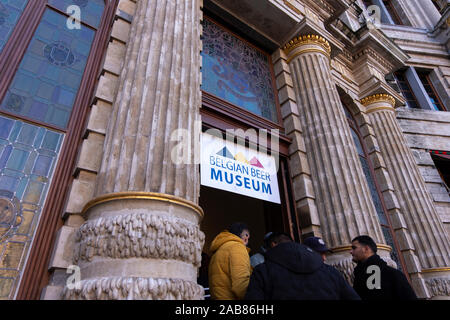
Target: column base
(137,245)
(341,259)
(131,288)
(437,281)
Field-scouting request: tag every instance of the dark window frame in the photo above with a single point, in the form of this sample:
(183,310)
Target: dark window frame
(400,78)
(424,77)
(436,4)
(393,12)
(35,275)
(440,164)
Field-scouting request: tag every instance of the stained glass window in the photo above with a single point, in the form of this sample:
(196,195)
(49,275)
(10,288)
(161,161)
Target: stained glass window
(10,12)
(48,78)
(236,72)
(43,90)
(91,10)
(28,155)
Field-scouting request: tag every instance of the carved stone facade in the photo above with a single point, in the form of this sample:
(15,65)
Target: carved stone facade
(343,64)
(131,218)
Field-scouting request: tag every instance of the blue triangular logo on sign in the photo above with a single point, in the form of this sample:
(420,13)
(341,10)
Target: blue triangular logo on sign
(225,153)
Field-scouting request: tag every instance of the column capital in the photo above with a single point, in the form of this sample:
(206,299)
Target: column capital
(378,102)
(307,43)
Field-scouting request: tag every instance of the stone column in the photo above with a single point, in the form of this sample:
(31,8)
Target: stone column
(142,239)
(431,242)
(342,196)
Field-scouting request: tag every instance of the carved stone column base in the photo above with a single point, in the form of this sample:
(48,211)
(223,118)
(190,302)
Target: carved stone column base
(341,259)
(129,288)
(437,281)
(138,245)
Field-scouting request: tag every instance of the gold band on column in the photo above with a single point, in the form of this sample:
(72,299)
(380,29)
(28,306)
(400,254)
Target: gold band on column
(376,99)
(435,270)
(297,42)
(143,195)
(348,248)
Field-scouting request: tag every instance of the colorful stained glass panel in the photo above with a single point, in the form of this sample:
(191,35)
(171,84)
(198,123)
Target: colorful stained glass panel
(46,83)
(90,10)
(28,155)
(10,12)
(236,72)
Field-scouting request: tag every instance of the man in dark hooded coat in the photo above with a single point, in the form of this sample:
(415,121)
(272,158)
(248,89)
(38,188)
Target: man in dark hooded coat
(374,279)
(292,271)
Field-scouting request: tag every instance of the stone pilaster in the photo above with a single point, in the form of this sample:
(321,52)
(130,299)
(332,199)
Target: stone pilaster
(141,239)
(431,243)
(421,13)
(342,197)
(303,191)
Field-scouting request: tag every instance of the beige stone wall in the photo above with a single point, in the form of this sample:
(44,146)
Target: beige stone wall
(358,72)
(429,130)
(91,150)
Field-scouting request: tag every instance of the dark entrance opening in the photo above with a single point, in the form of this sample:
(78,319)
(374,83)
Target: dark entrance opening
(223,208)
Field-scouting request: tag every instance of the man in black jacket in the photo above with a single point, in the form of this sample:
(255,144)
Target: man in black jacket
(374,279)
(292,271)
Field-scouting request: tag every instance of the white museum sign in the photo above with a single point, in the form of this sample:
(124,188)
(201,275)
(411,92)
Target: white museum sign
(232,167)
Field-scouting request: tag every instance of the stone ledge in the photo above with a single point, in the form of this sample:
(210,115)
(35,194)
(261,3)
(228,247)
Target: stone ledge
(127,6)
(422,115)
(115,56)
(91,152)
(107,87)
(121,30)
(63,251)
(81,191)
(99,117)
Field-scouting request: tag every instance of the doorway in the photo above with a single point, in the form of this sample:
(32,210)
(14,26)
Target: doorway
(222,208)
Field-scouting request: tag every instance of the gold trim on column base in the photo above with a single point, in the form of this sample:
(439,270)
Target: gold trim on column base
(378,98)
(308,39)
(348,248)
(130,195)
(446,269)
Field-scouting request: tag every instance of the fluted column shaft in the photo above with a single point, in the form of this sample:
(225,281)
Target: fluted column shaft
(142,239)
(342,194)
(431,242)
(159,92)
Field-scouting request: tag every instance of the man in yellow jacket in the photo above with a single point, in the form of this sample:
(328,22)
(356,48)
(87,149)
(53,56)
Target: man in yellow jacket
(229,268)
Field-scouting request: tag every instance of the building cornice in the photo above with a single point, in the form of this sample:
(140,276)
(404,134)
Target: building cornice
(371,53)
